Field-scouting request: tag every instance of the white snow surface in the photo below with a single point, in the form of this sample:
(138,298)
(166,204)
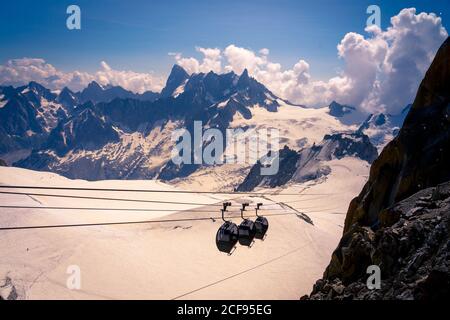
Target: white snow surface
(298,126)
(170,260)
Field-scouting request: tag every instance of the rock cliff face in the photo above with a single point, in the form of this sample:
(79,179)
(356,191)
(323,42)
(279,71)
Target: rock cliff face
(413,254)
(410,246)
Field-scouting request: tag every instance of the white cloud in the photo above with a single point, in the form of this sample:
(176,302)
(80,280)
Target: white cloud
(264,51)
(239,59)
(22,71)
(211,61)
(382,70)
(134,81)
(412,41)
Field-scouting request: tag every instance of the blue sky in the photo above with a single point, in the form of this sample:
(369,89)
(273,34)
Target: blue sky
(138,35)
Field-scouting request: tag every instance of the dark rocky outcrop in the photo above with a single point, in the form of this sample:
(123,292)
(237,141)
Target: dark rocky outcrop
(23,122)
(177,77)
(340,145)
(377,229)
(413,253)
(3,163)
(346,114)
(7,290)
(287,166)
(310,163)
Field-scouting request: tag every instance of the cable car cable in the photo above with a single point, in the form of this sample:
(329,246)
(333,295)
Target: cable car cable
(239,273)
(102,198)
(151,190)
(123,222)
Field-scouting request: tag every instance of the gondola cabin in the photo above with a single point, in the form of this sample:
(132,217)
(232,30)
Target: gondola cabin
(227,237)
(228,234)
(247,232)
(246,229)
(261,226)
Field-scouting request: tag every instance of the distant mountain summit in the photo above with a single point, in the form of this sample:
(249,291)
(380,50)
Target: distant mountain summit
(176,80)
(95,93)
(67,98)
(346,114)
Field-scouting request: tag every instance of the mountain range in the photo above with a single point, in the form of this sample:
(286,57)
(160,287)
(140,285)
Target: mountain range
(107,132)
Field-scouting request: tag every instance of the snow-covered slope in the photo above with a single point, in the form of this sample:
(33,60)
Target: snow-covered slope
(298,128)
(168,260)
(134,155)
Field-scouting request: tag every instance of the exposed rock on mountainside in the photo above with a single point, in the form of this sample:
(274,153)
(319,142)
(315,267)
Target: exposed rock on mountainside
(67,98)
(380,127)
(287,166)
(310,163)
(413,253)
(378,229)
(177,79)
(7,290)
(346,114)
(86,131)
(27,115)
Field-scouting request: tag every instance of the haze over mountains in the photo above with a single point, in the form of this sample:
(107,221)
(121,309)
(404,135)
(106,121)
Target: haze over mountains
(107,132)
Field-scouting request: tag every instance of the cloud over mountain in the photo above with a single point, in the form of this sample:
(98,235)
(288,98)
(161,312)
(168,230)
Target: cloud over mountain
(382,69)
(24,70)
(211,61)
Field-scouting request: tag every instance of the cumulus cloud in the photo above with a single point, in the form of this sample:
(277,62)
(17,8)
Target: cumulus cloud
(21,71)
(134,81)
(382,70)
(211,61)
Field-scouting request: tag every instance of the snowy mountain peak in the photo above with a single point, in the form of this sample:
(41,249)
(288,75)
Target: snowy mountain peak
(39,91)
(67,98)
(244,74)
(94,85)
(244,80)
(176,78)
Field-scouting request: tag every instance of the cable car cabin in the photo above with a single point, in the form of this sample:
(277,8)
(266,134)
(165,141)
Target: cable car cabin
(247,232)
(227,237)
(261,226)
